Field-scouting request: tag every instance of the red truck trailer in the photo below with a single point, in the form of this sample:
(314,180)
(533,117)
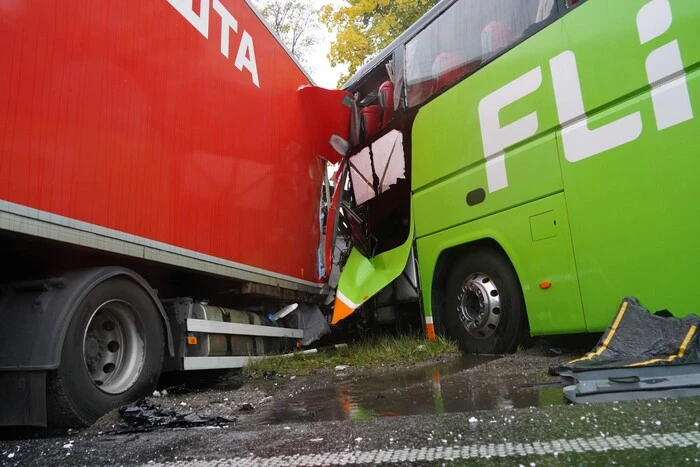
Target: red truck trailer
(154,162)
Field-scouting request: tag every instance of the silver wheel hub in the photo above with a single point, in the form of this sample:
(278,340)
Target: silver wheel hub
(479,305)
(114,347)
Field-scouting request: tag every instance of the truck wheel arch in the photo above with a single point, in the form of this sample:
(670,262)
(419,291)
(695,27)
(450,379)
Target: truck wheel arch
(93,277)
(54,301)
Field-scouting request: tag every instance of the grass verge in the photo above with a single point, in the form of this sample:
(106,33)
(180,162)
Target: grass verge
(370,353)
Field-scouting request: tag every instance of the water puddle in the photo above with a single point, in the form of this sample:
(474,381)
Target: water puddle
(437,389)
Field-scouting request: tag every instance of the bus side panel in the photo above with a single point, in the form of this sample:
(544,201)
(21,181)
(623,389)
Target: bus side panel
(535,173)
(449,163)
(447,132)
(634,216)
(536,239)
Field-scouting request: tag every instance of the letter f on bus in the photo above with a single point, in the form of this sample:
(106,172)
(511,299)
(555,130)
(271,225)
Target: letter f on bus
(497,138)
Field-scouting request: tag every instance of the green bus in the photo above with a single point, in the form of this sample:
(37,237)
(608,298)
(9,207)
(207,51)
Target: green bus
(525,165)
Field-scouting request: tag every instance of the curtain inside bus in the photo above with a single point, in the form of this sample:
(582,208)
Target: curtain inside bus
(468,34)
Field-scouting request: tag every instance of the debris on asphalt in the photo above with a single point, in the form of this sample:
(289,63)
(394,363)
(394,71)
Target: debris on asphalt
(246,407)
(143,415)
(341,368)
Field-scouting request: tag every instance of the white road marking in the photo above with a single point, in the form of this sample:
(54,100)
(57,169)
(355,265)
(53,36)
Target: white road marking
(476,451)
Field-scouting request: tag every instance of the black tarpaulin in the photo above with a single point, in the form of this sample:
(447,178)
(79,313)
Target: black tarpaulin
(638,338)
(640,356)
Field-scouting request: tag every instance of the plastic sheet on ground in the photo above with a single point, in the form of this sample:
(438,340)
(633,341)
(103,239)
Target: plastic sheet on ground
(638,338)
(640,356)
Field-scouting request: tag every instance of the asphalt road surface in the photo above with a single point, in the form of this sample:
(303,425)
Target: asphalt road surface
(631,433)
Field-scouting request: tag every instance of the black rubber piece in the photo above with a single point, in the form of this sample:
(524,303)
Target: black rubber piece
(513,322)
(72,397)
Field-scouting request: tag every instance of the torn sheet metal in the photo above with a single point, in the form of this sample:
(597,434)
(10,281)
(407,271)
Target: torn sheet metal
(328,118)
(362,277)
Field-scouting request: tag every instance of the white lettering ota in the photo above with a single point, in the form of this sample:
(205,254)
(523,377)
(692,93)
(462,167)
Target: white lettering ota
(245,56)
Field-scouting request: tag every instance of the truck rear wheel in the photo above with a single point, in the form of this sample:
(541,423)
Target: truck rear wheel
(484,306)
(112,354)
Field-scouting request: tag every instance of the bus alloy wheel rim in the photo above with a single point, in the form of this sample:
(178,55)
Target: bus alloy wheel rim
(479,305)
(114,347)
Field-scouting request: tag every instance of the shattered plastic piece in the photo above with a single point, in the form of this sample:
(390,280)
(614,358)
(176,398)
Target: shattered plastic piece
(142,415)
(341,368)
(316,440)
(473,420)
(314,324)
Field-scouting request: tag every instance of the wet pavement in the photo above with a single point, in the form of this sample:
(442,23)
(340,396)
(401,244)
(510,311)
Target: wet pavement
(457,411)
(428,390)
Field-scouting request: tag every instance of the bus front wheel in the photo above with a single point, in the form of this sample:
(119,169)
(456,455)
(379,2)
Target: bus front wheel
(484,306)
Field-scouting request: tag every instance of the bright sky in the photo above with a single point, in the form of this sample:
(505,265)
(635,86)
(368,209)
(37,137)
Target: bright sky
(321,71)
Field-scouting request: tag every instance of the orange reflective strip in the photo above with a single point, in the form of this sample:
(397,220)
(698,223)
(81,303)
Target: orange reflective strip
(430,332)
(340,310)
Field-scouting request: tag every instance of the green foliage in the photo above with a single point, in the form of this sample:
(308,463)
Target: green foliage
(365,27)
(369,353)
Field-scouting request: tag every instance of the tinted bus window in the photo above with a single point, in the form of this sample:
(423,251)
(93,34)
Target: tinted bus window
(465,36)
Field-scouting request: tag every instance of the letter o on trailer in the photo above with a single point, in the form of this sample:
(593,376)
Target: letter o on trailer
(101,344)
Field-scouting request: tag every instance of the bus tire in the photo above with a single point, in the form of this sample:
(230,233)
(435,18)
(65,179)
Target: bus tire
(112,354)
(484,306)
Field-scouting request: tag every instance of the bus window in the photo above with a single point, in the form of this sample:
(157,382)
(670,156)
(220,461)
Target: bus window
(465,36)
(387,160)
(382,196)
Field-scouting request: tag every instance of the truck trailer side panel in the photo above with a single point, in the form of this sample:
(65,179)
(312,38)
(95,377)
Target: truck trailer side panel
(172,129)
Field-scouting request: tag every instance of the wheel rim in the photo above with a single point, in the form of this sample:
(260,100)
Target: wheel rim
(114,347)
(479,305)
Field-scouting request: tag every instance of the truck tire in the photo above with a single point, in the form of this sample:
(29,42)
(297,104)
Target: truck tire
(484,306)
(112,354)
